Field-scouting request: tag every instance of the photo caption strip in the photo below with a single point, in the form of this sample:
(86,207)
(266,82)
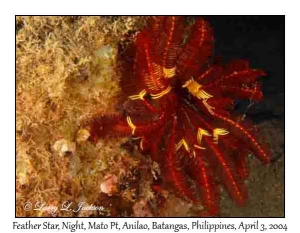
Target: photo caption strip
(159,225)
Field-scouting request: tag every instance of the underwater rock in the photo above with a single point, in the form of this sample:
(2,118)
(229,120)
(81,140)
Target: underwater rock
(142,209)
(82,135)
(109,185)
(64,147)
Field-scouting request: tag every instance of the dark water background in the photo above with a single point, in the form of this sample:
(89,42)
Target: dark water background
(260,40)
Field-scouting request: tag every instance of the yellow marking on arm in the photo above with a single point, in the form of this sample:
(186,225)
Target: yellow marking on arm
(153,79)
(161,94)
(199,147)
(131,125)
(203,95)
(169,72)
(184,143)
(194,154)
(187,83)
(200,134)
(138,96)
(196,89)
(209,108)
(141,144)
(217,132)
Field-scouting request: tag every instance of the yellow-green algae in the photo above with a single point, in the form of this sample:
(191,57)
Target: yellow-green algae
(66,73)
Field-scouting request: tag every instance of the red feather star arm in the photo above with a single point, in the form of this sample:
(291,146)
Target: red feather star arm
(233,184)
(197,50)
(173,170)
(209,191)
(224,165)
(247,138)
(199,169)
(118,126)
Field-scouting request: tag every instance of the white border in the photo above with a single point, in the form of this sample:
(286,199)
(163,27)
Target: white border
(197,7)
